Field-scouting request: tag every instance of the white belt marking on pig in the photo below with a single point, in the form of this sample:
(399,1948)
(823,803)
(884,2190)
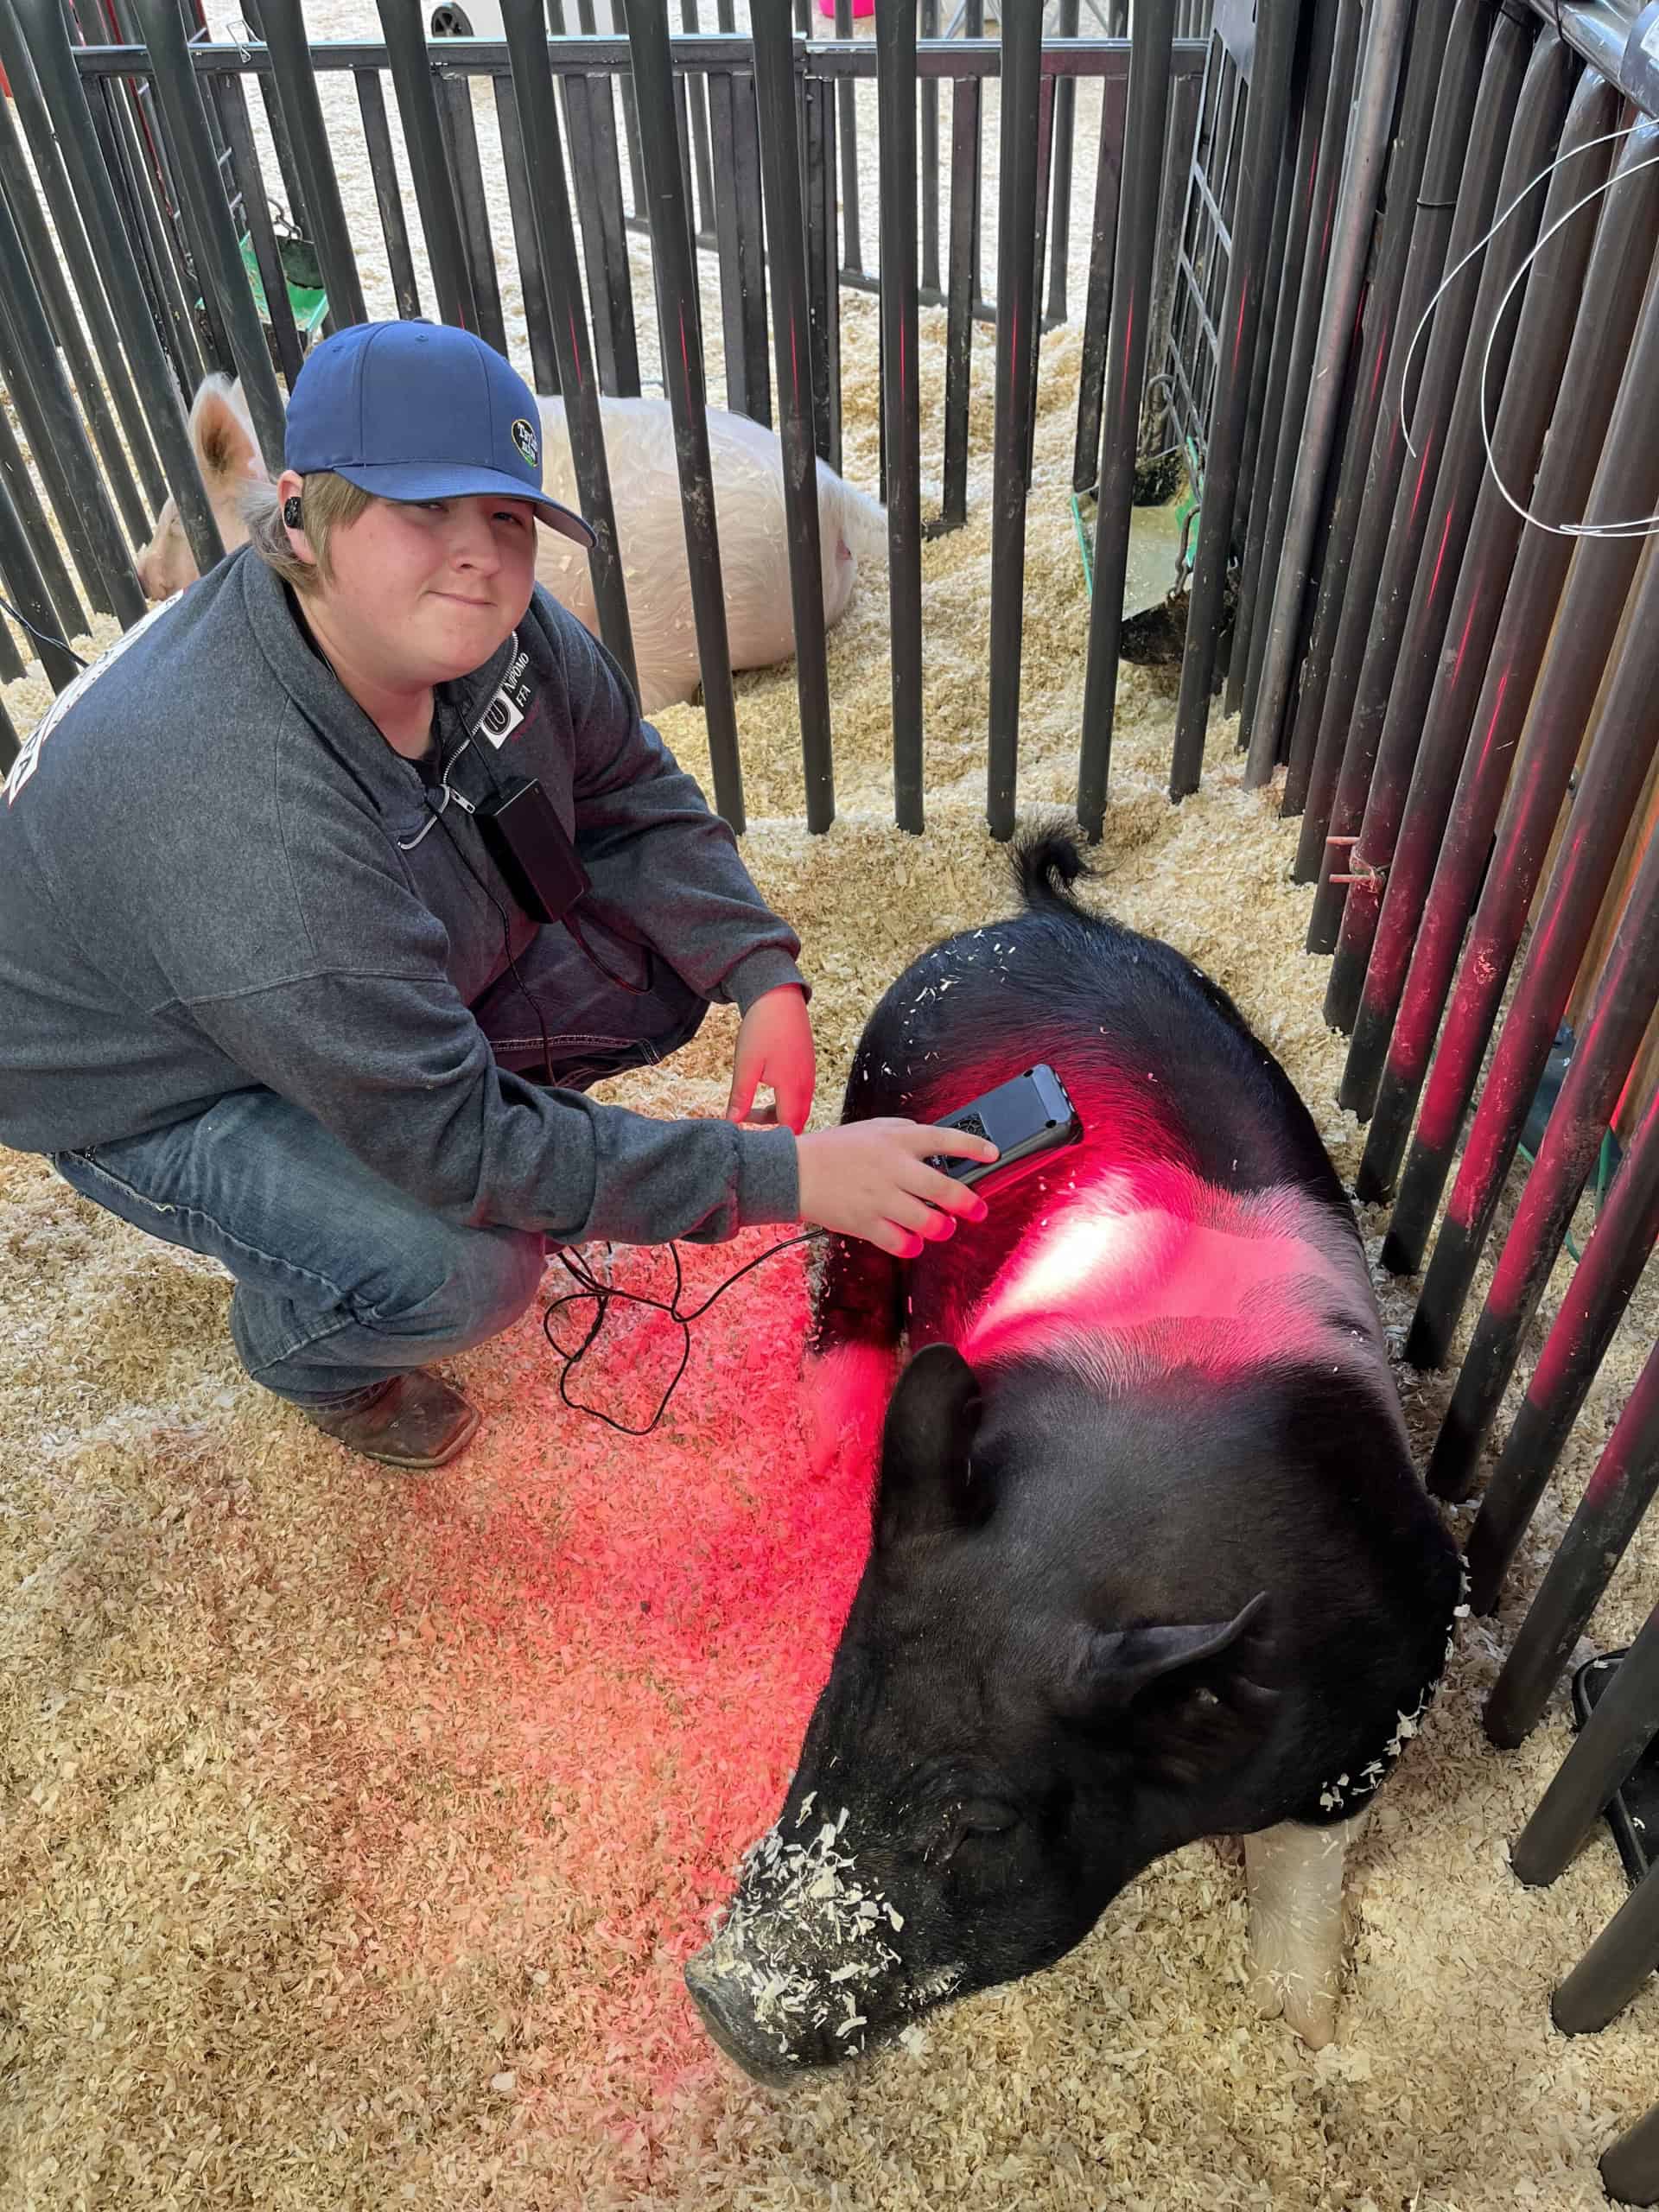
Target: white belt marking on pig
(1236,1280)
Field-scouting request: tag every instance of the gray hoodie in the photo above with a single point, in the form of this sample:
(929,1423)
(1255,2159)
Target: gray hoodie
(205,885)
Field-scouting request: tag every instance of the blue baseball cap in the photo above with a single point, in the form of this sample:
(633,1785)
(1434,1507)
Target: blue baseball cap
(421,410)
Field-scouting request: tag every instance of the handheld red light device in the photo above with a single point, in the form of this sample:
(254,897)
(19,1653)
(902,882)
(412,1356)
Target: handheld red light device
(1026,1119)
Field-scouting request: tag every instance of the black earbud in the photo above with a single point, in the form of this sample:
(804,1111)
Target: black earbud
(291,511)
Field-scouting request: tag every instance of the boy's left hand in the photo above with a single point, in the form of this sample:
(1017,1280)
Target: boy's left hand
(774,1047)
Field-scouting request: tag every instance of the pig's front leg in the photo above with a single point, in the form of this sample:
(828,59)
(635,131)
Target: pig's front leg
(1294,1875)
(851,1351)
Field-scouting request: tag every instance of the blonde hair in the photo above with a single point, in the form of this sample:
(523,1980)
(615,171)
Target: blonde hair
(327,503)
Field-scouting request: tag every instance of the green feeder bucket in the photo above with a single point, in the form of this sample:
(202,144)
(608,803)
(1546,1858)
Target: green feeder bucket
(307,299)
(1159,560)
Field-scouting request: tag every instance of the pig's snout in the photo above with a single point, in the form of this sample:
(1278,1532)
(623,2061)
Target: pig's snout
(730,2018)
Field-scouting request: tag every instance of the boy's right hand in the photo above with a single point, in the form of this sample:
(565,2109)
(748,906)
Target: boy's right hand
(872,1180)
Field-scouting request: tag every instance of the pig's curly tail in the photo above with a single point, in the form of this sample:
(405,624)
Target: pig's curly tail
(1046,863)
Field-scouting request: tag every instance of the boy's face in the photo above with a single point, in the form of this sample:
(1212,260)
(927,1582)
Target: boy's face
(424,592)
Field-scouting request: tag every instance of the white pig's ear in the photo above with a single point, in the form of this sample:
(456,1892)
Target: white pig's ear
(1196,1667)
(223,435)
(926,1481)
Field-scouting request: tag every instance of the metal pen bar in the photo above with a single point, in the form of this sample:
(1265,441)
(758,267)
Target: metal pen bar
(1616,1498)
(631,133)
(674,261)
(1585,628)
(435,196)
(1333,41)
(460,128)
(32,372)
(679,91)
(1630,2168)
(1134,245)
(600,290)
(1065,125)
(153,241)
(1608,793)
(1185,91)
(376,136)
(1038,255)
(822,259)
(852,255)
(295,183)
(607,187)
(1264,127)
(1443,88)
(1097,289)
(8,745)
(696,91)
(556,252)
(573,95)
(285,35)
(1415,956)
(1518,114)
(29,109)
(46,264)
(1015,303)
(832,61)
(230,104)
(1443,661)
(182,260)
(1622,1724)
(895,31)
(1623,1957)
(202,192)
(1618,1020)
(12,665)
(538,325)
(47,600)
(1397,710)
(1626,1231)
(1269,366)
(774,86)
(751,248)
(965,130)
(974,25)
(1319,225)
(930,97)
(731,274)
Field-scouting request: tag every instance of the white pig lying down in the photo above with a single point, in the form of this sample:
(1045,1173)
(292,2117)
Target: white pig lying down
(1150,1561)
(748,474)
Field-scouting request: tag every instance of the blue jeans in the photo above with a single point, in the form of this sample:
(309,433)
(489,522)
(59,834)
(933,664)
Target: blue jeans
(342,1281)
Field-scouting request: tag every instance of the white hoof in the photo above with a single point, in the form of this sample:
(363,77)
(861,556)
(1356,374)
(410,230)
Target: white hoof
(1294,1875)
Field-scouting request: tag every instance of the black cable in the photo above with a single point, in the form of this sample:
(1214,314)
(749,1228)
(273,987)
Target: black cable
(44,636)
(600,1294)
(589,1286)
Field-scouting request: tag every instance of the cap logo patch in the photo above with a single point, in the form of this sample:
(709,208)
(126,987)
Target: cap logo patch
(524,436)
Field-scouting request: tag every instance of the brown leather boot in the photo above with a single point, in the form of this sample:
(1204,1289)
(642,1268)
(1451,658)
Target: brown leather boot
(417,1421)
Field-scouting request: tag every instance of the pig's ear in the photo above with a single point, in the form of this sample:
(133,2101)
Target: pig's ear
(1197,1671)
(223,435)
(933,1419)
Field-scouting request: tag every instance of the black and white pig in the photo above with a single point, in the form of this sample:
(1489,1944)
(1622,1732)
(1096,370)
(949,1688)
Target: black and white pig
(1150,1561)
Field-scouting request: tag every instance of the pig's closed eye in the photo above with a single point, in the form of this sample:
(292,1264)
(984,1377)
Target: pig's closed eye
(987,1816)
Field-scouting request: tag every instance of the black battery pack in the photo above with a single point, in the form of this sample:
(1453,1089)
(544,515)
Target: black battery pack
(526,840)
(1025,1119)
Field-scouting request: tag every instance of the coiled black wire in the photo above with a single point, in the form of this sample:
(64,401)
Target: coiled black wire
(593,1289)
